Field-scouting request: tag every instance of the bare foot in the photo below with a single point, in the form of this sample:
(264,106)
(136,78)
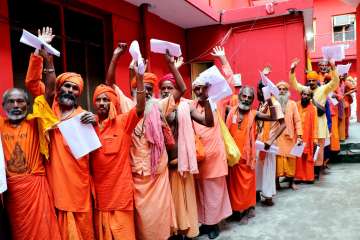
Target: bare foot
(251,213)
(294,187)
(244,220)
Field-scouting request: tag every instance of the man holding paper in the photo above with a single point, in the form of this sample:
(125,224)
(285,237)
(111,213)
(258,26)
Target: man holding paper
(212,193)
(114,187)
(154,207)
(241,122)
(268,132)
(285,162)
(182,157)
(69,178)
(320,94)
(29,199)
(309,123)
(234,81)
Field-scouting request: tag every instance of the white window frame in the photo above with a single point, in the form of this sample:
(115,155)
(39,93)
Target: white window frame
(333,33)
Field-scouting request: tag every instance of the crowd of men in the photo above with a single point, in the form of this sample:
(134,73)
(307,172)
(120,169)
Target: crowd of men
(162,170)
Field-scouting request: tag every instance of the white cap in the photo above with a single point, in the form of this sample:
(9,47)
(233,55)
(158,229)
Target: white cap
(199,81)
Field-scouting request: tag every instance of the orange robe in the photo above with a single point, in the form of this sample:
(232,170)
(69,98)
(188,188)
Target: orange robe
(114,187)
(285,162)
(69,178)
(241,179)
(305,164)
(29,198)
(334,138)
(348,100)
(154,206)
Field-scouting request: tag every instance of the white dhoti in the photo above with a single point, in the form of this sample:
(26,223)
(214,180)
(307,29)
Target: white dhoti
(266,174)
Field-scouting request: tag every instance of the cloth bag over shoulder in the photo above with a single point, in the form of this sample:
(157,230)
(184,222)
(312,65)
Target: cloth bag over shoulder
(232,151)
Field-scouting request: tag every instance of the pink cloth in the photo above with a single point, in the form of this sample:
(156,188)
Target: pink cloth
(186,141)
(154,135)
(213,200)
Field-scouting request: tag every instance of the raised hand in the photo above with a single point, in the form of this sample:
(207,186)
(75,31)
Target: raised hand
(179,62)
(218,51)
(332,63)
(169,58)
(294,63)
(121,47)
(46,34)
(140,67)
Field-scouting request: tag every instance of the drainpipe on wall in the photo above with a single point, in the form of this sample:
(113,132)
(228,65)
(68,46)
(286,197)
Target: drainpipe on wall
(144,40)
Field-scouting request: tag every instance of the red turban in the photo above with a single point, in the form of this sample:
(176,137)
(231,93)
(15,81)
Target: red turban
(312,75)
(70,77)
(114,99)
(148,78)
(168,77)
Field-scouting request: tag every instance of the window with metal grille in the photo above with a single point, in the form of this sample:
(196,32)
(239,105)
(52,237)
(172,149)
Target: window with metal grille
(344,28)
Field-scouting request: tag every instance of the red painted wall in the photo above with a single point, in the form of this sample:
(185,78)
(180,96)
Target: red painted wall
(323,11)
(253,45)
(6,75)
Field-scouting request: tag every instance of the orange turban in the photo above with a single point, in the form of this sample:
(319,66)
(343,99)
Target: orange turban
(114,99)
(282,83)
(70,77)
(150,78)
(312,75)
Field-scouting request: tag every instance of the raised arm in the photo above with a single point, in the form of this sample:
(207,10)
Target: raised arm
(219,52)
(140,92)
(38,60)
(110,75)
(49,75)
(292,79)
(335,80)
(178,78)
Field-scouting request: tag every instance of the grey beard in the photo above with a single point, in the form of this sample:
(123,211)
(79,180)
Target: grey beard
(283,100)
(13,117)
(149,104)
(244,107)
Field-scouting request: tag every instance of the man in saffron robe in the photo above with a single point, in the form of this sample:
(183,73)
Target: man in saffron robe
(28,200)
(241,122)
(154,208)
(320,94)
(182,158)
(212,193)
(309,118)
(285,162)
(268,133)
(348,100)
(69,178)
(110,165)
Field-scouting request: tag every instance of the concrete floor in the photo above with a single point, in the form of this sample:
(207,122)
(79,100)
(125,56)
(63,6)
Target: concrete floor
(329,210)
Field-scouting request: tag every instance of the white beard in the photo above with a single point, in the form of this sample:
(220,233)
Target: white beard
(283,100)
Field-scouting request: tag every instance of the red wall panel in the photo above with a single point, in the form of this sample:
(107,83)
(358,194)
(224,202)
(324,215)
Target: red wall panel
(273,41)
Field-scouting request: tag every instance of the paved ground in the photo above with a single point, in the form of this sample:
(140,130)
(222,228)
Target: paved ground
(329,210)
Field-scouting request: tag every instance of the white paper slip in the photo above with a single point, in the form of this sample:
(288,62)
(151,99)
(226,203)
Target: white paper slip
(219,88)
(336,52)
(266,92)
(81,138)
(261,147)
(316,154)
(333,99)
(327,142)
(298,150)
(267,82)
(237,79)
(134,50)
(160,46)
(343,69)
(3,184)
(35,42)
